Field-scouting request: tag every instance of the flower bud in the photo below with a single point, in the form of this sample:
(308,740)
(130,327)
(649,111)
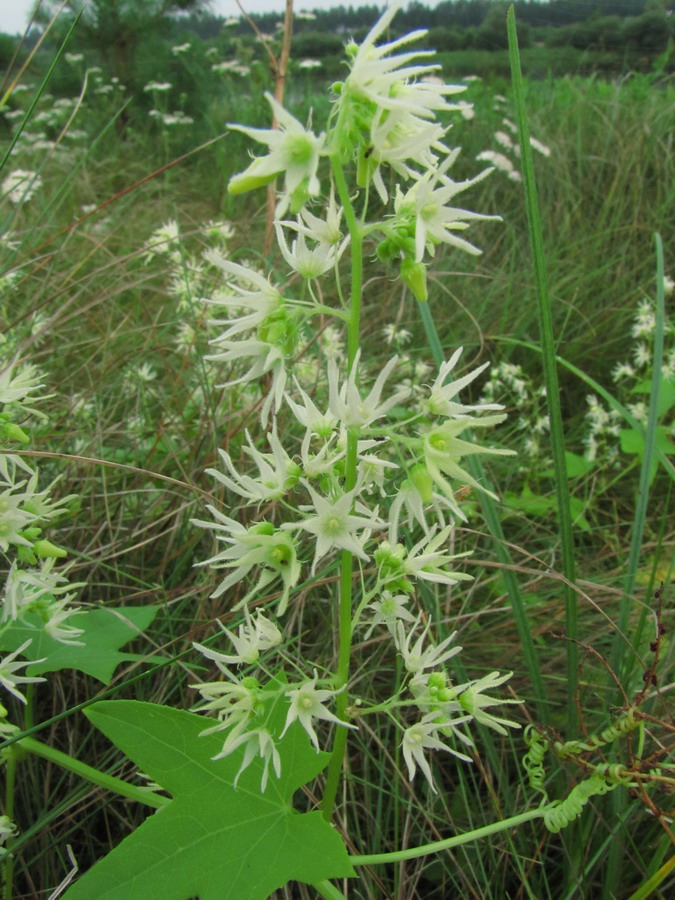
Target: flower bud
(422,482)
(414,276)
(47,550)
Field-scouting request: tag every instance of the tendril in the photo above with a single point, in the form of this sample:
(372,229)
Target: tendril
(627,723)
(605,778)
(533,761)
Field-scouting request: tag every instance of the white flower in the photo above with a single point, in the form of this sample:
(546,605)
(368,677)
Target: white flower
(415,658)
(394,335)
(7,827)
(645,321)
(277,473)
(254,638)
(470,697)
(235,703)
(425,204)
(541,148)
(55,626)
(388,81)
(14,388)
(443,450)
(388,609)
(307,414)
(260,742)
(14,518)
(259,304)
(426,561)
(307,703)
(261,545)
(334,524)
(642,356)
(498,160)
(325,231)
(158,86)
(346,403)
(294,152)
(622,370)
(442,392)
(20,185)
(9,678)
(264,357)
(424,736)
(308,262)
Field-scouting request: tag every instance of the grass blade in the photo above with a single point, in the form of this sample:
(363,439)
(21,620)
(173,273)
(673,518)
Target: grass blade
(550,375)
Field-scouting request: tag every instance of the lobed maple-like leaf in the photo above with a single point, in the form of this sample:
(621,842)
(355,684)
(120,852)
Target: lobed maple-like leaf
(211,841)
(104,631)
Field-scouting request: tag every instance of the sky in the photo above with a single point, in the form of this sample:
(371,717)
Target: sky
(14,14)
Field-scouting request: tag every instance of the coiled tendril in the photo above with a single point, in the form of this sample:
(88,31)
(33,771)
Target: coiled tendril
(533,761)
(605,778)
(627,723)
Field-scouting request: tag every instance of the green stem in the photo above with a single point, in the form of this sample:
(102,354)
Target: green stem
(546,336)
(328,891)
(351,460)
(109,782)
(8,862)
(448,843)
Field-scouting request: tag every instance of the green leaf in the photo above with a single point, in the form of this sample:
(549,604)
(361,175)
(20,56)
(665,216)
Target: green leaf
(633,442)
(211,841)
(539,505)
(104,632)
(666,394)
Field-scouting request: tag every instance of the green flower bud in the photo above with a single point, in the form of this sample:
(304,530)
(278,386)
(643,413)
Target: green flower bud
(47,550)
(414,275)
(14,432)
(262,528)
(422,482)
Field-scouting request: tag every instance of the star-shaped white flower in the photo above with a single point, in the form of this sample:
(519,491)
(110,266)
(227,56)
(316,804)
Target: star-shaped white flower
(335,525)
(294,152)
(307,703)
(9,668)
(424,736)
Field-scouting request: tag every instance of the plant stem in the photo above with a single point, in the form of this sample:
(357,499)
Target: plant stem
(351,459)
(448,843)
(8,862)
(109,782)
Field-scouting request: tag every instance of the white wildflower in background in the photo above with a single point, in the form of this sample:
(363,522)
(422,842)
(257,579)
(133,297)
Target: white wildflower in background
(159,87)
(20,185)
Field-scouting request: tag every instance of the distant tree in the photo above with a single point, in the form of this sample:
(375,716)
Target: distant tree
(648,34)
(115,29)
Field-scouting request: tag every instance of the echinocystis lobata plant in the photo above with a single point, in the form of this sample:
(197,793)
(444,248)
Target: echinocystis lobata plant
(361,472)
